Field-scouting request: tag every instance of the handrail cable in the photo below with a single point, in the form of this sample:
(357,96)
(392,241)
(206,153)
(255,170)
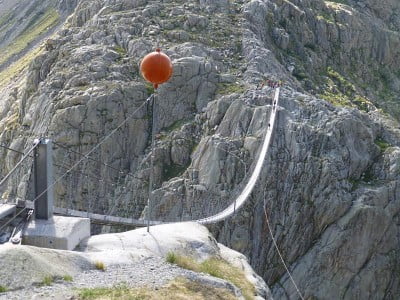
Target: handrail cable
(98,161)
(92,176)
(19,163)
(11,149)
(278,251)
(219,216)
(79,161)
(243,196)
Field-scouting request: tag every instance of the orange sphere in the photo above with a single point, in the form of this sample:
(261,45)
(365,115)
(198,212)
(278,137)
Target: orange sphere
(156,67)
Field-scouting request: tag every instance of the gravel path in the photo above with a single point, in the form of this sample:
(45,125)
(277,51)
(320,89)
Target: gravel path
(151,272)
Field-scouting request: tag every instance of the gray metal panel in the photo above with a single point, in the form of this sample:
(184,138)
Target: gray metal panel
(44,192)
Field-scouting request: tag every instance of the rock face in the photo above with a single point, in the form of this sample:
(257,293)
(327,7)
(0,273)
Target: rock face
(330,184)
(30,265)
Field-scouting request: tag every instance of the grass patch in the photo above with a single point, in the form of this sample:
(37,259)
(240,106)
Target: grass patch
(18,67)
(171,257)
(99,265)
(368,176)
(149,88)
(47,21)
(3,289)
(177,289)
(174,126)
(382,144)
(354,183)
(327,17)
(230,88)
(115,292)
(217,268)
(341,92)
(67,278)
(47,280)
(121,51)
(173,170)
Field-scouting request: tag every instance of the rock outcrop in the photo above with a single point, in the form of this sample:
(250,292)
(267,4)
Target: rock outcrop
(30,265)
(330,183)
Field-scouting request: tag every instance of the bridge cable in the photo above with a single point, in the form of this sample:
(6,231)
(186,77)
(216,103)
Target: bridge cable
(77,163)
(92,176)
(19,163)
(11,149)
(227,212)
(98,161)
(279,252)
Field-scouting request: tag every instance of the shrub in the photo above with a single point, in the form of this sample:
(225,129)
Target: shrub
(99,265)
(67,278)
(47,280)
(171,257)
(217,268)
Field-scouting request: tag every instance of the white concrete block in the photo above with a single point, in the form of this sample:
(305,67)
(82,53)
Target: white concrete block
(59,232)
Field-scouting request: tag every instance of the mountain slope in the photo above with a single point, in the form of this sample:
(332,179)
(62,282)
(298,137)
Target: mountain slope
(330,182)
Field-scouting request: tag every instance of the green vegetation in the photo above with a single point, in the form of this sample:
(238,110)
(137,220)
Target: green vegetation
(121,51)
(368,176)
(149,88)
(354,183)
(99,265)
(339,91)
(3,289)
(43,24)
(382,144)
(217,268)
(177,289)
(17,68)
(67,278)
(327,17)
(230,88)
(173,170)
(171,257)
(47,280)
(174,126)
(116,292)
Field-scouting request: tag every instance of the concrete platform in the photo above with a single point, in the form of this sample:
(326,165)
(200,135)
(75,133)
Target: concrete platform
(60,232)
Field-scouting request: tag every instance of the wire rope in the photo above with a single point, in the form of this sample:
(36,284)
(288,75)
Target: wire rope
(98,161)
(279,252)
(19,163)
(76,164)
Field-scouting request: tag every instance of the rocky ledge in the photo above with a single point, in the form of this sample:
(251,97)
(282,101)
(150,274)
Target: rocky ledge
(134,259)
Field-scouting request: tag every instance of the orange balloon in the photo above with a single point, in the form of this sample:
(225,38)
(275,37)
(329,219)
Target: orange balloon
(156,67)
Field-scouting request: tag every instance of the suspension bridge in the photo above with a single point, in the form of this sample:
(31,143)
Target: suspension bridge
(40,182)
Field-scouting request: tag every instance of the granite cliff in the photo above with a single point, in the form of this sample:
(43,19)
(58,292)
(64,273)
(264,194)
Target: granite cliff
(329,185)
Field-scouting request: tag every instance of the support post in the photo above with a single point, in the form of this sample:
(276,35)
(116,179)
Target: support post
(43,180)
(151,179)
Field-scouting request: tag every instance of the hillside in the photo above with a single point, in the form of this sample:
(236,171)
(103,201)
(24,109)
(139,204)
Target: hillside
(330,181)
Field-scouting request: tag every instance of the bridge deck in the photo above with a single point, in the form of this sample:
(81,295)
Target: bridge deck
(6,209)
(103,219)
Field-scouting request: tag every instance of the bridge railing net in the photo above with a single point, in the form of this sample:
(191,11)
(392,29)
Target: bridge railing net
(92,186)
(188,199)
(97,186)
(16,174)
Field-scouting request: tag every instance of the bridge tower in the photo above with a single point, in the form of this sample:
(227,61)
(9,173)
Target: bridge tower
(43,179)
